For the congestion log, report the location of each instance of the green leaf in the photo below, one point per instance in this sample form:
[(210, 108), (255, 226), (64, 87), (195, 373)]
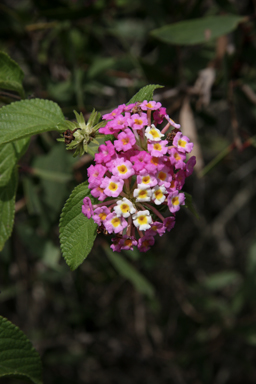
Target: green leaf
[(140, 283), (7, 207), (190, 205), (28, 117), (145, 93), (77, 233), (197, 31), (11, 75), (9, 155), (18, 358)]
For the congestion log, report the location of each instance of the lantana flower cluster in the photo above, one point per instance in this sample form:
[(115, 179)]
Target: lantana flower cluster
[(137, 175)]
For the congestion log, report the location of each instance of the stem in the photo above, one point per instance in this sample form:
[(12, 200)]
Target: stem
[(156, 212)]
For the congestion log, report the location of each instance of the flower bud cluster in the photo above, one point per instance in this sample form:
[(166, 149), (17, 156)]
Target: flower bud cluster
[(137, 174)]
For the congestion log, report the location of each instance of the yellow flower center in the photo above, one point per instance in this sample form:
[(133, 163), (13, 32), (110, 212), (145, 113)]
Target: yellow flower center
[(176, 156), (143, 193), (162, 176), (145, 179), (122, 169), (158, 194), (128, 242), (157, 147), (182, 143), (154, 133), (102, 216), (115, 222), (138, 121), (112, 186), (175, 200), (125, 140), (125, 207), (149, 105), (142, 219)]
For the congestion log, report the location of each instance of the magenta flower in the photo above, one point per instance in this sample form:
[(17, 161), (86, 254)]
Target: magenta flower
[(152, 105), (112, 186), (100, 214), (175, 200), (125, 141), (138, 176), (159, 115), (190, 166), (122, 168), (87, 207), (114, 223), (138, 121), (182, 143), (106, 152), (145, 243), (95, 173), (158, 149)]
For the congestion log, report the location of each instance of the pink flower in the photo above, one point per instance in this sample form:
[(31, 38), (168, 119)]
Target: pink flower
[(180, 179), (105, 153), (158, 149), (87, 207), (126, 242), (146, 181), (113, 114), (190, 166), (156, 228), (182, 143), (145, 243), (112, 186), (95, 173), (164, 176), (169, 222), (140, 160), (125, 141), (159, 115), (152, 105), (122, 168), (138, 121), (98, 192), (100, 214), (177, 158), (121, 122), (113, 223), (155, 164), (175, 200)]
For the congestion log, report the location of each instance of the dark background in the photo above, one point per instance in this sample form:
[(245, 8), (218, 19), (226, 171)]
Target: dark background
[(92, 325)]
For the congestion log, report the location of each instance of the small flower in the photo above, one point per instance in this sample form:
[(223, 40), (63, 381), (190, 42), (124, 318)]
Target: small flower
[(159, 115), (87, 207), (152, 105), (182, 143), (124, 208), (175, 200), (190, 166), (115, 224), (146, 181), (112, 186), (100, 214), (158, 149), (125, 140), (169, 222), (138, 121), (142, 220), (122, 168), (153, 134), (158, 194), (145, 243), (142, 194)]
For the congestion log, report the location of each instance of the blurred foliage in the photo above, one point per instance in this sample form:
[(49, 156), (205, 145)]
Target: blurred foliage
[(193, 318)]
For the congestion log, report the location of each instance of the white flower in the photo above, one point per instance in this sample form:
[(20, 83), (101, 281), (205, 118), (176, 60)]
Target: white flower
[(142, 194), (124, 208), (158, 194), (142, 220), (153, 134)]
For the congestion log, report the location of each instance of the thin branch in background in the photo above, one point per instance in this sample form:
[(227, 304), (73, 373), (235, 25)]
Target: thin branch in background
[(234, 121), (11, 95)]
